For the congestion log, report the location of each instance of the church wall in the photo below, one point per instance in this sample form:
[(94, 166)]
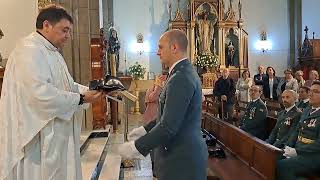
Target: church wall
[(17, 20), (270, 16), (150, 17), (310, 17)]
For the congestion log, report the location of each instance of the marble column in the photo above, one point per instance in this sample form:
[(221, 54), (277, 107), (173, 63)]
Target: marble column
[(85, 14)]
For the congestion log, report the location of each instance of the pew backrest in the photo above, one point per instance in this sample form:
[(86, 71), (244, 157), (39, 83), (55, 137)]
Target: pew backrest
[(255, 153)]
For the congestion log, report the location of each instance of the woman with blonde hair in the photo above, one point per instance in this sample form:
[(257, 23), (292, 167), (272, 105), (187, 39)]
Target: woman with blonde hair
[(151, 99)]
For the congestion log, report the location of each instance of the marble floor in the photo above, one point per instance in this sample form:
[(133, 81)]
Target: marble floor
[(103, 151)]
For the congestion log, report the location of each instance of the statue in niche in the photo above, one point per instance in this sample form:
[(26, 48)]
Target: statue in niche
[(114, 46), (232, 49), (205, 33), (230, 53)]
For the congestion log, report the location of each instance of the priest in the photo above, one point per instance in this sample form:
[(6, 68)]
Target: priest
[(40, 106)]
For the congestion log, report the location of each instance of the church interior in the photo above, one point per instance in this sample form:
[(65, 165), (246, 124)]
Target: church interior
[(117, 37)]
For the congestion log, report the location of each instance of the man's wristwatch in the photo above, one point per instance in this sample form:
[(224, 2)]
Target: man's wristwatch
[(81, 99)]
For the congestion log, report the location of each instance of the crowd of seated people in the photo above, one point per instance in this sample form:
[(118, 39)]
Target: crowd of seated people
[(297, 129)]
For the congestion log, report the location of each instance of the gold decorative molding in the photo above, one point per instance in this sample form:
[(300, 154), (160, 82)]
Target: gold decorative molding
[(179, 15), (231, 15), (43, 3)]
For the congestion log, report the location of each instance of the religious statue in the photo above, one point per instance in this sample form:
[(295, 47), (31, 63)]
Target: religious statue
[(205, 33), (230, 54), (114, 46), (232, 49)]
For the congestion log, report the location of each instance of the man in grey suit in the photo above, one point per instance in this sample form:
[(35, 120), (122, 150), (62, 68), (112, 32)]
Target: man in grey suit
[(175, 138)]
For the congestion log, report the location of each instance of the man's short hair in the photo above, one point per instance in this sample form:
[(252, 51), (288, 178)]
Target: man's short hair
[(179, 37), (259, 88), (53, 14), (306, 88), (295, 94), (316, 83), (224, 69), (288, 71)]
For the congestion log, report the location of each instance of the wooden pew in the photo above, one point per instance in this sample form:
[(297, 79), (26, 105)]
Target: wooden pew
[(237, 142), (254, 153), (273, 109), (272, 106)]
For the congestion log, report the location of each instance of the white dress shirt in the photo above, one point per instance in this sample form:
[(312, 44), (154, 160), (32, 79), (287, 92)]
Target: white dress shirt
[(271, 87), (173, 65), (305, 100), (315, 110), (289, 108)]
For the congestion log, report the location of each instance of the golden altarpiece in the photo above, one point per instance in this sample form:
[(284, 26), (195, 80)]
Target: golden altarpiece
[(211, 29)]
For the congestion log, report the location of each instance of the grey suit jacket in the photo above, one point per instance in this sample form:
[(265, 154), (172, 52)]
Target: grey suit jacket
[(176, 139), (292, 84)]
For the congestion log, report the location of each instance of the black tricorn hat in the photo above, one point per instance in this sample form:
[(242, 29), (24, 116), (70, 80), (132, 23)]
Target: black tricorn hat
[(107, 84)]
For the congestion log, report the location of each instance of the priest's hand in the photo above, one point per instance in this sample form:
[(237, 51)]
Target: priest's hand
[(136, 133), (129, 151), (289, 152), (91, 96)]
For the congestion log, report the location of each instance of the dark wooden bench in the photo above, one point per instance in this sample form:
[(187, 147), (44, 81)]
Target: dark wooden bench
[(249, 157), (272, 106), (239, 166)]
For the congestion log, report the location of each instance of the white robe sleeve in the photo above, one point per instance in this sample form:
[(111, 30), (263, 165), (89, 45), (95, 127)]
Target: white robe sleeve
[(35, 82), (82, 89)]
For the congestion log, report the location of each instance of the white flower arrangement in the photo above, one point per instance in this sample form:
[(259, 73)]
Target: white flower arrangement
[(137, 71), (207, 60)]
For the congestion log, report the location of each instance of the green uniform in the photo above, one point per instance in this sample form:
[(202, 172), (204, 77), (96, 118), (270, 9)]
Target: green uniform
[(286, 124), (306, 140), (254, 120), (302, 105)]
